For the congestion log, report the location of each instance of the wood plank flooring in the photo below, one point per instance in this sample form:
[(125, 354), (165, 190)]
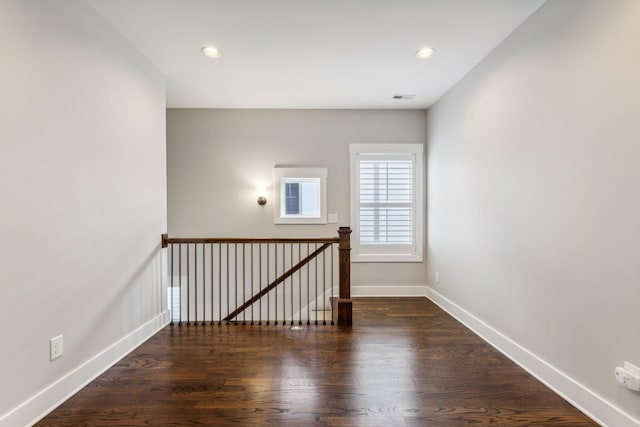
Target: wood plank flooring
[(404, 363)]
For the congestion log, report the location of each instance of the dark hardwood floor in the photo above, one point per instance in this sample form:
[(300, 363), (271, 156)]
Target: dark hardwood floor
[(404, 363)]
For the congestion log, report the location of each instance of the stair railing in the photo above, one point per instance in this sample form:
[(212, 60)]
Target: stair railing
[(259, 280)]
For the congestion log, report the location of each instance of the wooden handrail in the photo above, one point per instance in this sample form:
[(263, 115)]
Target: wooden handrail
[(166, 240)]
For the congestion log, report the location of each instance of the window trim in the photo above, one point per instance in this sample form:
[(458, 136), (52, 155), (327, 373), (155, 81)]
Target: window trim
[(399, 253), (280, 173)]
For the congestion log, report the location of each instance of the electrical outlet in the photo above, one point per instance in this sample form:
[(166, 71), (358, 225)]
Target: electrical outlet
[(55, 347), (628, 376), (437, 277)]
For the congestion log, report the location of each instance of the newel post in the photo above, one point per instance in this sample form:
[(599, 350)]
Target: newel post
[(163, 240), (344, 300)]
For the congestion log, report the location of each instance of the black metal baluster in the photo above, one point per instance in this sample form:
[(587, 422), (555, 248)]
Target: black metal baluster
[(211, 277), (220, 284), (180, 282), (315, 260), (204, 294), (300, 284), (244, 285), (235, 277), (268, 293), (188, 287), (260, 282), (284, 287), (275, 271), (252, 278), (195, 285), (308, 290), (195, 279), (291, 266), (171, 251), (228, 312)]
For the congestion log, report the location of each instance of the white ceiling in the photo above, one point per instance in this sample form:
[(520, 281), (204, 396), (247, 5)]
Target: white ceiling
[(313, 54)]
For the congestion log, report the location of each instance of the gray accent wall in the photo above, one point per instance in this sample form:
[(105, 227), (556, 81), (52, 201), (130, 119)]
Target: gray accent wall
[(217, 158)]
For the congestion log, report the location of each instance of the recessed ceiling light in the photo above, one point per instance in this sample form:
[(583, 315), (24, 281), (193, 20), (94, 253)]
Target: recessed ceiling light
[(211, 51), (425, 52)]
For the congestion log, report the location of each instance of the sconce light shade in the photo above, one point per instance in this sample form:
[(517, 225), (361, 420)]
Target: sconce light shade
[(262, 197)]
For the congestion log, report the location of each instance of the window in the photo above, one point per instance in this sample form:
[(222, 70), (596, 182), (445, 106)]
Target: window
[(301, 195), (386, 202), (291, 198)]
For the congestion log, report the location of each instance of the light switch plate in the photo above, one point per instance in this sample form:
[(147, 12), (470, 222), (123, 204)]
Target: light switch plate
[(332, 218)]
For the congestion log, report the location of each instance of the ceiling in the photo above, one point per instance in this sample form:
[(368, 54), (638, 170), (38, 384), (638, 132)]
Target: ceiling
[(313, 54)]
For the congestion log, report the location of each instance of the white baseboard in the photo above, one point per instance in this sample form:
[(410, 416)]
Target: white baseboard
[(35, 408), (593, 405), (389, 291)]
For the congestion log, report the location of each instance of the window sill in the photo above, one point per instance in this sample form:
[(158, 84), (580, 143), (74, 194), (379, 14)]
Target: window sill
[(386, 258)]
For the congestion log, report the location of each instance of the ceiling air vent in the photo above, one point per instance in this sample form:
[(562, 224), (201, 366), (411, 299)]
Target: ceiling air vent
[(403, 96)]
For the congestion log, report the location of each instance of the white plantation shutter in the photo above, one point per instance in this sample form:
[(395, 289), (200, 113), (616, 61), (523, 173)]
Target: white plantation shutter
[(386, 201), (386, 197)]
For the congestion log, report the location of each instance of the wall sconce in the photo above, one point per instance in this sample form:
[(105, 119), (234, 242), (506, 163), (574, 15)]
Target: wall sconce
[(262, 196)]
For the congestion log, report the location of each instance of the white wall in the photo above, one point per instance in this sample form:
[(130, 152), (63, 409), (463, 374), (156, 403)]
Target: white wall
[(534, 198), (83, 190), (217, 158)]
